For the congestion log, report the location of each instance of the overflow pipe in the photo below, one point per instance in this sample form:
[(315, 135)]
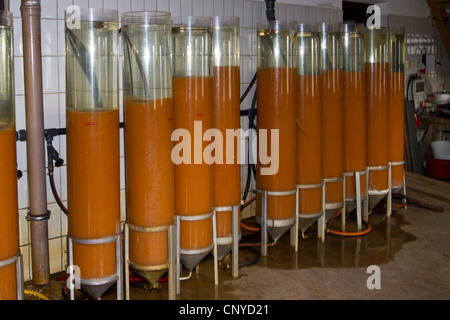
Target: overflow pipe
[(38, 215)]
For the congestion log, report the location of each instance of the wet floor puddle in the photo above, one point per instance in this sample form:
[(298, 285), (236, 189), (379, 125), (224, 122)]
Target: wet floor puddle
[(377, 247)]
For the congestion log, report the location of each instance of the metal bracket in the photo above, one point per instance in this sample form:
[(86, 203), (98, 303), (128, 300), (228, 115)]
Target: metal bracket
[(43, 217)]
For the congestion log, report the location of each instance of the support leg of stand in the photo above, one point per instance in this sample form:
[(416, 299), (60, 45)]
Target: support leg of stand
[(178, 260), (389, 196), (366, 202), (358, 200), (344, 207), (19, 276), (70, 262), (216, 261), (119, 267), (404, 189), (321, 222), (294, 230), (264, 223), (172, 262), (127, 261), (235, 234)]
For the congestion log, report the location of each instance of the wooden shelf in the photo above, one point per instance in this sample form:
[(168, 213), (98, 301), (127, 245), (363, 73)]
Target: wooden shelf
[(440, 10), (428, 192)]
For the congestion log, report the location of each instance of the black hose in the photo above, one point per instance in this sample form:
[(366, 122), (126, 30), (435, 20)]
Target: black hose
[(86, 64), (270, 10), (253, 261), (248, 89), (251, 167), (55, 193), (247, 185), (138, 62), (270, 14), (252, 124), (248, 263), (410, 82), (252, 115), (401, 197)]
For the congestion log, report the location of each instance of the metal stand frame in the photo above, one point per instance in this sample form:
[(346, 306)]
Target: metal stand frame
[(387, 192), (321, 223), (18, 260), (179, 251), (119, 272), (264, 220), (298, 215), (234, 235), (333, 206), (358, 197), (401, 163), (169, 264)]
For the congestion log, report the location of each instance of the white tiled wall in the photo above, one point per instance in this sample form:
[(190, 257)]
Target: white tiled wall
[(405, 8), (423, 37)]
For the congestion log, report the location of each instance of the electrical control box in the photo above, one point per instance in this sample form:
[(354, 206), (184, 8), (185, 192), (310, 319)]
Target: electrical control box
[(419, 94)]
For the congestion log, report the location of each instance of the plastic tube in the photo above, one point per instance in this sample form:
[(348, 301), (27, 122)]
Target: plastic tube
[(354, 106), (192, 103), (332, 114), (226, 113), (397, 106), (277, 106), (377, 102), (92, 111), (309, 119), (148, 123)]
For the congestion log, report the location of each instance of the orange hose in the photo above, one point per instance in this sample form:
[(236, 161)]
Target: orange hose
[(242, 224), (254, 244), (248, 202), (256, 229), (337, 214), (403, 205), (350, 234)]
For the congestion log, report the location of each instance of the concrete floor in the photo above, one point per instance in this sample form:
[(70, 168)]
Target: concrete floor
[(411, 250)]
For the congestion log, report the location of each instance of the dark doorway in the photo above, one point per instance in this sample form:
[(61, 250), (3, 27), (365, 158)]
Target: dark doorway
[(355, 11)]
